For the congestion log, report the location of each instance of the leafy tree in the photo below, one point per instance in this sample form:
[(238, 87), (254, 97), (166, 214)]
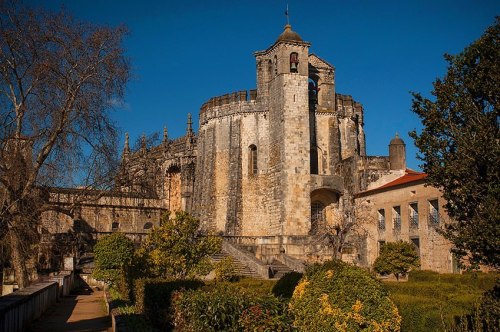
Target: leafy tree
[(396, 258), (179, 248), (113, 255), (460, 146), (58, 80)]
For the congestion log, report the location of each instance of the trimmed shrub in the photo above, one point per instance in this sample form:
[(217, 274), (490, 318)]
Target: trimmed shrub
[(436, 302), (396, 258), (215, 309), (268, 314), (153, 298), (256, 287), (337, 296), (476, 279), (285, 286), (227, 307), (113, 255)]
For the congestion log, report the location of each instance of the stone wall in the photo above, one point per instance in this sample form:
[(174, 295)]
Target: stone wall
[(433, 248)]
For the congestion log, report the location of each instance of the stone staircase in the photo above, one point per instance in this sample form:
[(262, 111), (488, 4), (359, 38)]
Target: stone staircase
[(278, 269), (242, 269)]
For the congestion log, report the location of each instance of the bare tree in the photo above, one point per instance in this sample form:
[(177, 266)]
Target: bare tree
[(348, 225), (59, 78)]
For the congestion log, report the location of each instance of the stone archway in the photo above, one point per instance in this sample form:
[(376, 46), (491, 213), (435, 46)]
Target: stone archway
[(322, 202)]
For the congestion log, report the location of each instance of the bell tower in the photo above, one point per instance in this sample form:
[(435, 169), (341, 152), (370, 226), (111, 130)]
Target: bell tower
[(282, 83)]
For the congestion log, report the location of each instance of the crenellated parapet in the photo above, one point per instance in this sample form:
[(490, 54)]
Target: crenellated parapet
[(228, 104), (347, 106)]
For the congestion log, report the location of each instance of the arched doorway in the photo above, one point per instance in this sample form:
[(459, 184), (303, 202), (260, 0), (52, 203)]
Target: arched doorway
[(318, 217), (322, 201)]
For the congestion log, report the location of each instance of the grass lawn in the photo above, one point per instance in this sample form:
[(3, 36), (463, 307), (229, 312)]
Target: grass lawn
[(430, 301)]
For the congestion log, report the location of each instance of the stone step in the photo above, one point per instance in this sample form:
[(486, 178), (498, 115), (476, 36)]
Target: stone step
[(241, 268), (279, 269)]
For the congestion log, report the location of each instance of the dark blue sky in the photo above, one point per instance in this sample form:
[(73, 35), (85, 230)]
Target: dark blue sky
[(184, 52)]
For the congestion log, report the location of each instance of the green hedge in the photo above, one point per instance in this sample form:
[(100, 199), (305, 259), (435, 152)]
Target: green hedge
[(153, 298), (430, 301), (227, 307), (479, 280)]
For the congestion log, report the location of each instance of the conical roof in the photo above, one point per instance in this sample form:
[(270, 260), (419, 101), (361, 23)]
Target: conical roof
[(289, 35), (397, 140)]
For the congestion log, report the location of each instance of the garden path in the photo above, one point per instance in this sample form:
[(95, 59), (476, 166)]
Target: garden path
[(82, 311)]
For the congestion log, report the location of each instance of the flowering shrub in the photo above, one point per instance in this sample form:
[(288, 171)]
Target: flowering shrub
[(337, 296)]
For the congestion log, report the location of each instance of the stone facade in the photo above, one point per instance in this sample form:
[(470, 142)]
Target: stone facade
[(267, 169), (405, 209)]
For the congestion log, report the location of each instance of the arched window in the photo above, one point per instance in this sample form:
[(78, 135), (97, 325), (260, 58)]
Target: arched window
[(114, 226), (275, 65), (317, 216), (294, 62), (148, 225), (252, 160)]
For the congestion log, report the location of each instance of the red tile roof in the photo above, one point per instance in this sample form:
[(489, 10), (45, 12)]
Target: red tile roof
[(410, 176)]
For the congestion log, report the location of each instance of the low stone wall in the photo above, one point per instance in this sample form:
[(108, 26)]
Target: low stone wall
[(65, 281), (19, 309), (295, 264), (117, 322)]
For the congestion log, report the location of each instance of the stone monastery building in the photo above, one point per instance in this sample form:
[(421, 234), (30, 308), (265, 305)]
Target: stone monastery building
[(273, 170)]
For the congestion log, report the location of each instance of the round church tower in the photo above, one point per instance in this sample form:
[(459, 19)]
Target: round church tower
[(397, 153)]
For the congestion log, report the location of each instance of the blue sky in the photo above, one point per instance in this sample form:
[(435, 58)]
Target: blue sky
[(184, 52)]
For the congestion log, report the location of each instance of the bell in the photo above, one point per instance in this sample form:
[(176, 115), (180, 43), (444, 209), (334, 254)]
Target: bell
[(293, 66)]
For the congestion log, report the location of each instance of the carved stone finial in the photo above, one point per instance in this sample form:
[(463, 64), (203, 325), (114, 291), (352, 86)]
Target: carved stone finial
[(143, 142), (189, 129), (165, 135), (126, 147)]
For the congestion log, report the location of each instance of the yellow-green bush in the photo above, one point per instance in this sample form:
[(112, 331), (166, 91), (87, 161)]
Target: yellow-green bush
[(225, 269), (337, 296)]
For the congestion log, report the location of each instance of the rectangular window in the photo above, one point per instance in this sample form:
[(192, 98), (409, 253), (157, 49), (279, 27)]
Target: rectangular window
[(396, 218), (413, 215), (381, 219), (433, 212)]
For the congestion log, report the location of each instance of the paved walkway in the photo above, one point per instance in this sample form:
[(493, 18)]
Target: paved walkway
[(83, 311)]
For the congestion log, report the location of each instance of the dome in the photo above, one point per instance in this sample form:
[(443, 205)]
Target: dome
[(289, 35), (397, 140)]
